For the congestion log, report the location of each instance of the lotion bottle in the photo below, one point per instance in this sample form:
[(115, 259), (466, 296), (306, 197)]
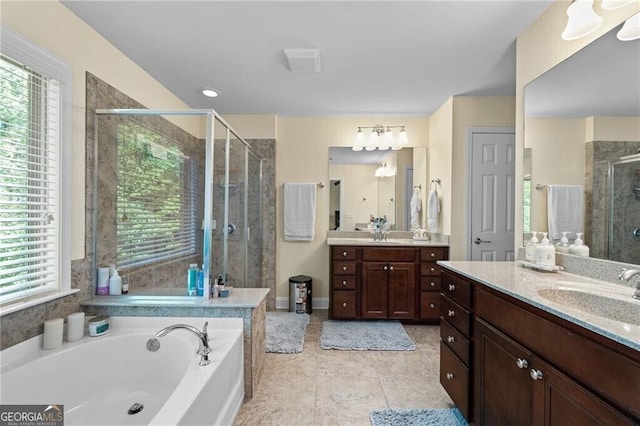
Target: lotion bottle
[(545, 252), (578, 247), (530, 250), (115, 283), (563, 245)]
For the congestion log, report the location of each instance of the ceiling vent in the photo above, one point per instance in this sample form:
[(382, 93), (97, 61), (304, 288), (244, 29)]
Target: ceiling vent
[(303, 60)]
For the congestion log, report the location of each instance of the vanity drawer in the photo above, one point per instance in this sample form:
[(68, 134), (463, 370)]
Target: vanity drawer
[(433, 253), (344, 268), (344, 304), (344, 253), (454, 377), (457, 289), (430, 283), (389, 254), (429, 305), (344, 282), (455, 341), (455, 315), (430, 269)]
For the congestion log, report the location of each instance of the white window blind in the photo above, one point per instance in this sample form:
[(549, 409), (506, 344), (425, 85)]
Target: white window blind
[(30, 108), (156, 197)]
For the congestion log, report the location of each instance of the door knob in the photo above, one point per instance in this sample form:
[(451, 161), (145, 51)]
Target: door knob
[(479, 241)]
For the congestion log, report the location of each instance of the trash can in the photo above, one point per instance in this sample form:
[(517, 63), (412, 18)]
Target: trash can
[(300, 294)]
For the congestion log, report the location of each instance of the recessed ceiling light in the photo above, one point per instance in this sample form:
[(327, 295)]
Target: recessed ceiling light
[(211, 93)]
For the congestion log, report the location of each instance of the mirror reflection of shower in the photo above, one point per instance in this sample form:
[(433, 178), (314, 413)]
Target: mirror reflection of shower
[(624, 209)]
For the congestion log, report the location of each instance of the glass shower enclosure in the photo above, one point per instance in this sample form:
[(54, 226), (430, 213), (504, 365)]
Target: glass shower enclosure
[(624, 205), (175, 188)]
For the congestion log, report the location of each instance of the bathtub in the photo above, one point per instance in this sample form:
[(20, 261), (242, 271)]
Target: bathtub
[(98, 379)]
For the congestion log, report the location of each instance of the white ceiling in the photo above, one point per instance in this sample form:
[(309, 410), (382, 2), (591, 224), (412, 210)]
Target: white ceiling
[(377, 57)]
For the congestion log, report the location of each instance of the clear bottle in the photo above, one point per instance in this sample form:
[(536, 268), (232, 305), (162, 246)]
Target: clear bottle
[(115, 283), (578, 247), (530, 250), (563, 244), (192, 279), (545, 252)]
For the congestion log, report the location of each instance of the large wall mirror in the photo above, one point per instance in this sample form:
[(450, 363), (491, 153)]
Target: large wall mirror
[(582, 127), (369, 183)]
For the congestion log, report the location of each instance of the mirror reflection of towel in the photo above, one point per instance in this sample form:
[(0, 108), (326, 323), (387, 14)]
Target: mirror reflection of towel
[(564, 210), (433, 209), (416, 208)]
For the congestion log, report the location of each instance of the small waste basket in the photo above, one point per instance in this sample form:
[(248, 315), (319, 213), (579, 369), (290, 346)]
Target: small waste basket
[(300, 294)]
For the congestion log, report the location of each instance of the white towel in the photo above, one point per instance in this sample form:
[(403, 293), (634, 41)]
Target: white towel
[(299, 211), (416, 208), (433, 209), (564, 209)]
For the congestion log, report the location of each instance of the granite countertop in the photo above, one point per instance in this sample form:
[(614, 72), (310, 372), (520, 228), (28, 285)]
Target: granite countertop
[(612, 312), (239, 298), (391, 242)]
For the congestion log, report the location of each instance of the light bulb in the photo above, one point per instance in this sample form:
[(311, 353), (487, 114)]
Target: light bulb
[(631, 29), (614, 4), (583, 20)]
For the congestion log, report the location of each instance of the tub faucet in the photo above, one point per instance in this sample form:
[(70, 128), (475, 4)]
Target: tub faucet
[(203, 339), (626, 276)]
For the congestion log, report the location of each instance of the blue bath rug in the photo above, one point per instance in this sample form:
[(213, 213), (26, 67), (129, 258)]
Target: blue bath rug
[(285, 332), (365, 336), (414, 417)]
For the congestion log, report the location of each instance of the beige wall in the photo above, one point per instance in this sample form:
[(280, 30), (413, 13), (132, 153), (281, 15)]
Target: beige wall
[(539, 48), (360, 193), (612, 129), (440, 160), (50, 25)]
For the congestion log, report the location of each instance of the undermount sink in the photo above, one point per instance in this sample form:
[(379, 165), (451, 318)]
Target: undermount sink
[(595, 304)]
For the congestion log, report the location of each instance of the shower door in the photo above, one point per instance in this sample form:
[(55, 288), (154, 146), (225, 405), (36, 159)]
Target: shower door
[(624, 211)]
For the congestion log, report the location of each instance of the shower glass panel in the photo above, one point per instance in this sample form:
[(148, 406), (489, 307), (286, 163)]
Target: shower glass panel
[(624, 220)]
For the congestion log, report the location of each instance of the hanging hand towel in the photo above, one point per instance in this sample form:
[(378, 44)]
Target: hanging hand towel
[(416, 208), (433, 209), (299, 211), (564, 210)]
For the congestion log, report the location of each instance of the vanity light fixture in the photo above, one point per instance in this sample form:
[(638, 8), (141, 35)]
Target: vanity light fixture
[(614, 4), (631, 29), (381, 138), (210, 92), (583, 20)]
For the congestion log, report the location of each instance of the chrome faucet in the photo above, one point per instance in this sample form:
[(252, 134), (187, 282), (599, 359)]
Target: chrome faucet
[(626, 276), (379, 235), (203, 339)]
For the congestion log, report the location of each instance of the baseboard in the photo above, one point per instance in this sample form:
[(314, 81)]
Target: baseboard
[(316, 303)]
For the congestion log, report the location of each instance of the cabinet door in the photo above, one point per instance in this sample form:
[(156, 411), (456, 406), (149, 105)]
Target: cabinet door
[(558, 401), (374, 289), (503, 385), (402, 290)]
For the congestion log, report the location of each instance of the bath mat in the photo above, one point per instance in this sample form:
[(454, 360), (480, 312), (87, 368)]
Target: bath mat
[(413, 417), (365, 336), (285, 332)]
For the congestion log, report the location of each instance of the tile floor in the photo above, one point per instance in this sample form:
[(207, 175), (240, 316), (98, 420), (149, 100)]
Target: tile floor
[(331, 387)]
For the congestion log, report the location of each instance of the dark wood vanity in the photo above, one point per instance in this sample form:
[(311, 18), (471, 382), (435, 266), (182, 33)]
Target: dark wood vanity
[(507, 362), (386, 282)]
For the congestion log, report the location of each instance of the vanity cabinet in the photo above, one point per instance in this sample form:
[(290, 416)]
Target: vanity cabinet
[(385, 282)]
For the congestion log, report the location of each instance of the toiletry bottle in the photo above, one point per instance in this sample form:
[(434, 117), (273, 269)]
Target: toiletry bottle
[(563, 245), (192, 279), (200, 283), (578, 247), (220, 284), (530, 250), (545, 252), (125, 285), (115, 283)]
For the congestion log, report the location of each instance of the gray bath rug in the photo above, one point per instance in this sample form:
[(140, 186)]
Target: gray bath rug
[(365, 336), (285, 332), (412, 417)]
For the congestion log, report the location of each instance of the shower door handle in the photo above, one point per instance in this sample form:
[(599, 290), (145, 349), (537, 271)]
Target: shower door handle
[(248, 233), (636, 234)]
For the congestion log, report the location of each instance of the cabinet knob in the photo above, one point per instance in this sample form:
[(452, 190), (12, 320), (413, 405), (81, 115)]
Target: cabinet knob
[(344, 268), (451, 313), (432, 305), (344, 304), (391, 268), (344, 283), (535, 374), (522, 363), (451, 339), (452, 287), (432, 269), (344, 254), (449, 376), (432, 284), (433, 254), (385, 268)]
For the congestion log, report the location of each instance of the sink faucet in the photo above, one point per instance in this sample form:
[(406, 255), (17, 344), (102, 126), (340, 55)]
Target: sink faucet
[(626, 276), (203, 339), (379, 235)]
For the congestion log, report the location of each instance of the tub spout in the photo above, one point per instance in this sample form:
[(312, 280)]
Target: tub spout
[(203, 339)]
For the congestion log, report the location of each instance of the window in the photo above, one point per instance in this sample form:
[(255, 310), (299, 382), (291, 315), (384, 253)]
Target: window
[(156, 197), (34, 258)]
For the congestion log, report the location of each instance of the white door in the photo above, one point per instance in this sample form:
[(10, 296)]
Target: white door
[(492, 194)]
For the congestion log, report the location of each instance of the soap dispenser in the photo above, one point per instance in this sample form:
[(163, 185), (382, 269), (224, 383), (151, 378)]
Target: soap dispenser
[(530, 250), (545, 252), (578, 247), (563, 245)]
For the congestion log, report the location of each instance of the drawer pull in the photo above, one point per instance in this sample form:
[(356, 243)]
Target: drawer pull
[(344, 254), (432, 269), (344, 283), (522, 363), (344, 268), (451, 313), (432, 305), (451, 339), (450, 376), (433, 254), (535, 374), (452, 287), (385, 268), (344, 304), (432, 284), (391, 268)]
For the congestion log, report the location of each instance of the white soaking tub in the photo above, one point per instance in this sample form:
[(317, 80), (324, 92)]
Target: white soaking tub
[(98, 379)]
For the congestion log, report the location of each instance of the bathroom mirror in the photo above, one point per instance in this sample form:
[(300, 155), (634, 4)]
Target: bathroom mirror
[(369, 183), (581, 117)]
